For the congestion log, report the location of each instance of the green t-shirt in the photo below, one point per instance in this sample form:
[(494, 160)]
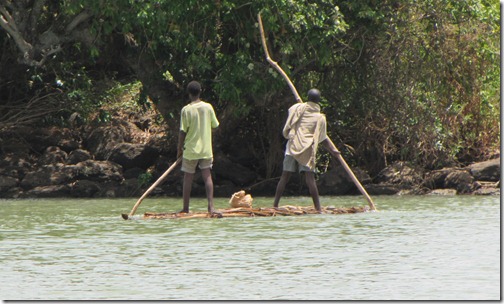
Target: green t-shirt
[(197, 120)]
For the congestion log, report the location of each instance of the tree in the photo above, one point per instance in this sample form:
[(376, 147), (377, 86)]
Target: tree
[(388, 70), (37, 33), (425, 81)]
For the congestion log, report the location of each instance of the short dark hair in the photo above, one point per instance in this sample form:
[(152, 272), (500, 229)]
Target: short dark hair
[(314, 95), (194, 88)]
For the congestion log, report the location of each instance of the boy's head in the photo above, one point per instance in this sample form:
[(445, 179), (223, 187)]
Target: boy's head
[(194, 88), (314, 95)]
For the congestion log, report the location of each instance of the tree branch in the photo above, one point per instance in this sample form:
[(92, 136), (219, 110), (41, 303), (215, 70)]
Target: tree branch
[(81, 17), (35, 14), (9, 25), (22, 24), (7, 18)]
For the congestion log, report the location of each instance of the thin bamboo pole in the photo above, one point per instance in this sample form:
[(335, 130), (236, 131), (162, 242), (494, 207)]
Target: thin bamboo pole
[(298, 99), (156, 183)]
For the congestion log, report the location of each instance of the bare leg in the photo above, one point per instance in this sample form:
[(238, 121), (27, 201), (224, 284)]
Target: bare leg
[(206, 174), (284, 179), (312, 186), (186, 190)]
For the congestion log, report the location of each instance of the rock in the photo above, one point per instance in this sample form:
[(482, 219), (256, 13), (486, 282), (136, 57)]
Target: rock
[(486, 171), (102, 171), (223, 188), (238, 174), (130, 188), (14, 143), (52, 155), (102, 140), (14, 192), (41, 138), (460, 180), (84, 188), (77, 156), (400, 172), (55, 162), (337, 181), (7, 182), (133, 155), (48, 191), (334, 182), (68, 145), (133, 173), (443, 192), (487, 188), (110, 189), (57, 174), (436, 179), (16, 165), (414, 191), (382, 189), (487, 191)]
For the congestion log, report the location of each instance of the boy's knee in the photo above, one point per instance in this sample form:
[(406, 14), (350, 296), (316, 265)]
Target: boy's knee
[(309, 176)]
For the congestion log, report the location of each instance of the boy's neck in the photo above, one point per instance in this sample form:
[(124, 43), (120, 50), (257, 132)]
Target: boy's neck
[(194, 98)]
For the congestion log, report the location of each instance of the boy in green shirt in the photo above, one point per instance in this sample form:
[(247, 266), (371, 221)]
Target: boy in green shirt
[(197, 119)]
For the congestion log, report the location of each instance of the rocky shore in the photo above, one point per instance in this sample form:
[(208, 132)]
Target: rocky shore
[(122, 158)]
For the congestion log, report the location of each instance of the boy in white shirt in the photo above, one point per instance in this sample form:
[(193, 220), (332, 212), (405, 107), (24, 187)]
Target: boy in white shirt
[(305, 128)]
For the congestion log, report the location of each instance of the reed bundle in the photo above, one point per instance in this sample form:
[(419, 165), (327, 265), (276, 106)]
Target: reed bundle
[(253, 212)]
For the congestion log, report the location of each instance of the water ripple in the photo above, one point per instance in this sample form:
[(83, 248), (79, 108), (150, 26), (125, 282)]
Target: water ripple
[(415, 248)]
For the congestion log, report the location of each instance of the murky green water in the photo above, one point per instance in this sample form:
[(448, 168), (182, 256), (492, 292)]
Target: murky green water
[(415, 248)]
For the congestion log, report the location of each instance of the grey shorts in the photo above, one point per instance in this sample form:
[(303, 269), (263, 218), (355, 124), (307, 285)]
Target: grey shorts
[(189, 165), (290, 164)]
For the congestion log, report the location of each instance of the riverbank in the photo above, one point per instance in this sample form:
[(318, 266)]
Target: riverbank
[(124, 156)]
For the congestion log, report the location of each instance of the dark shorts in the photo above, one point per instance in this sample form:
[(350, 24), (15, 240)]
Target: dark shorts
[(290, 164)]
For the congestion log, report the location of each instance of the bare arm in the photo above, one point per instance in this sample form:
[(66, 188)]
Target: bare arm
[(329, 146), (180, 146)]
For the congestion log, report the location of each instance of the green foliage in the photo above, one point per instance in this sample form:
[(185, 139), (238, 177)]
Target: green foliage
[(217, 41), (401, 80), (424, 84), (145, 179)]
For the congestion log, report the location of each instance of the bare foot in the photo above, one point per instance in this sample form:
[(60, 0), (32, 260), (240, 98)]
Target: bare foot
[(216, 214)]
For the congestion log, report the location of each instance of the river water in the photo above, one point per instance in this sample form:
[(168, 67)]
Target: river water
[(414, 248)]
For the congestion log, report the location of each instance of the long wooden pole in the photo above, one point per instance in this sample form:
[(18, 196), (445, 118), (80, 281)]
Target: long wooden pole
[(298, 99), (156, 183), (354, 178), (275, 64)]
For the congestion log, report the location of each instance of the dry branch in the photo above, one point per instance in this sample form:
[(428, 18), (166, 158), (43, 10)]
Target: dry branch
[(25, 113), (275, 64)]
